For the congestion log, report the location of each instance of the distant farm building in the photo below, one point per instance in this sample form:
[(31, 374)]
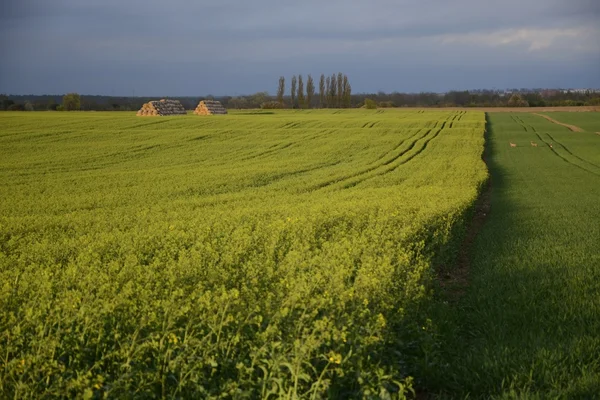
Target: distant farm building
[(210, 107), (162, 108)]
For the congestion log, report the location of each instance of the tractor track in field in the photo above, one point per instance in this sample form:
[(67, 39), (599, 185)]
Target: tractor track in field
[(550, 146), (566, 159), (244, 155), (373, 168), (570, 152), (381, 157), (144, 124), (409, 158), (363, 172), (359, 177), (369, 124), (282, 146), (393, 168), (573, 128)]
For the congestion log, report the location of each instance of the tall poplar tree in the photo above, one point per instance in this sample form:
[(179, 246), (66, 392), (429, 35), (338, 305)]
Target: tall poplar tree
[(293, 94), (281, 91), (346, 93), (340, 88), (300, 92), (328, 92), (322, 91), (333, 92), (310, 91)]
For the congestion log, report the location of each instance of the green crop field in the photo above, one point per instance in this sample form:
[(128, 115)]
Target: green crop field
[(588, 121), (299, 254), (286, 254), (528, 326)]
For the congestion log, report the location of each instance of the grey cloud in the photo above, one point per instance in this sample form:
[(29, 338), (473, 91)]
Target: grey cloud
[(246, 45)]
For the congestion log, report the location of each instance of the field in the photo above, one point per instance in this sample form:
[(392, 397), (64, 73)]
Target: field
[(258, 255), (528, 324), (589, 122), (308, 254)]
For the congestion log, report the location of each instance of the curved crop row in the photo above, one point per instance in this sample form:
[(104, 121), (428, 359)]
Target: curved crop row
[(191, 272)]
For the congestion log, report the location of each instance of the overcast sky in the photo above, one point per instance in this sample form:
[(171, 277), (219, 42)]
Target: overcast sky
[(231, 47)]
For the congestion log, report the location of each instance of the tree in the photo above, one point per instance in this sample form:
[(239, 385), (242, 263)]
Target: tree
[(238, 102), (322, 91), (5, 103), (346, 93), (271, 105), (370, 104), (517, 101), (293, 92), (310, 90), (281, 91), (333, 91), (534, 100), (257, 99), (300, 92), (16, 107), (71, 102), (327, 92), (28, 106), (340, 88), (51, 105)]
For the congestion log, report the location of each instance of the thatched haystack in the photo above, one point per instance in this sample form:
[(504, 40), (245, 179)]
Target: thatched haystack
[(162, 108), (210, 107)]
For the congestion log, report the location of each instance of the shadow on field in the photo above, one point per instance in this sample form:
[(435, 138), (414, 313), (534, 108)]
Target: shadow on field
[(255, 113), (528, 321)]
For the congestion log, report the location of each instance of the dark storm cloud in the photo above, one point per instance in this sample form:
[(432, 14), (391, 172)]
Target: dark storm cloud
[(153, 48)]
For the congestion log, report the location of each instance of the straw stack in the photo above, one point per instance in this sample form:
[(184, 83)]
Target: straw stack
[(162, 108), (210, 107)]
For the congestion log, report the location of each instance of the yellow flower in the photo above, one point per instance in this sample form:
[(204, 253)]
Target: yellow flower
[(335, 358), (173, 338)]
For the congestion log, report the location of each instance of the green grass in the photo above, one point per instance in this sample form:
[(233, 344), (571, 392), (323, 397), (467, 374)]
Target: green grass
[(286, 255), (588, 121), (528, 326)]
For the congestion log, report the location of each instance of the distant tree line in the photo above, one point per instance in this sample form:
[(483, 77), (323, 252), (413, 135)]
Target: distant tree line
[(328, 94)]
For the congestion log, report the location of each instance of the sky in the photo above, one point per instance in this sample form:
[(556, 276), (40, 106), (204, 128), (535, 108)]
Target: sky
[(236, 47)]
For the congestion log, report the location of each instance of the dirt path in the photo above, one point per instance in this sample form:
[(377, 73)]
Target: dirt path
[(571, 127)]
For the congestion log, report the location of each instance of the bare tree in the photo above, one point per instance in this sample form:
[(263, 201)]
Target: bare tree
[(281, 91), (293, 95)]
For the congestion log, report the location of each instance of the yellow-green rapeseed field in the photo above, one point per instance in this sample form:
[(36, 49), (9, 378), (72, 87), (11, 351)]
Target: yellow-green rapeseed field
[(253, 255)]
